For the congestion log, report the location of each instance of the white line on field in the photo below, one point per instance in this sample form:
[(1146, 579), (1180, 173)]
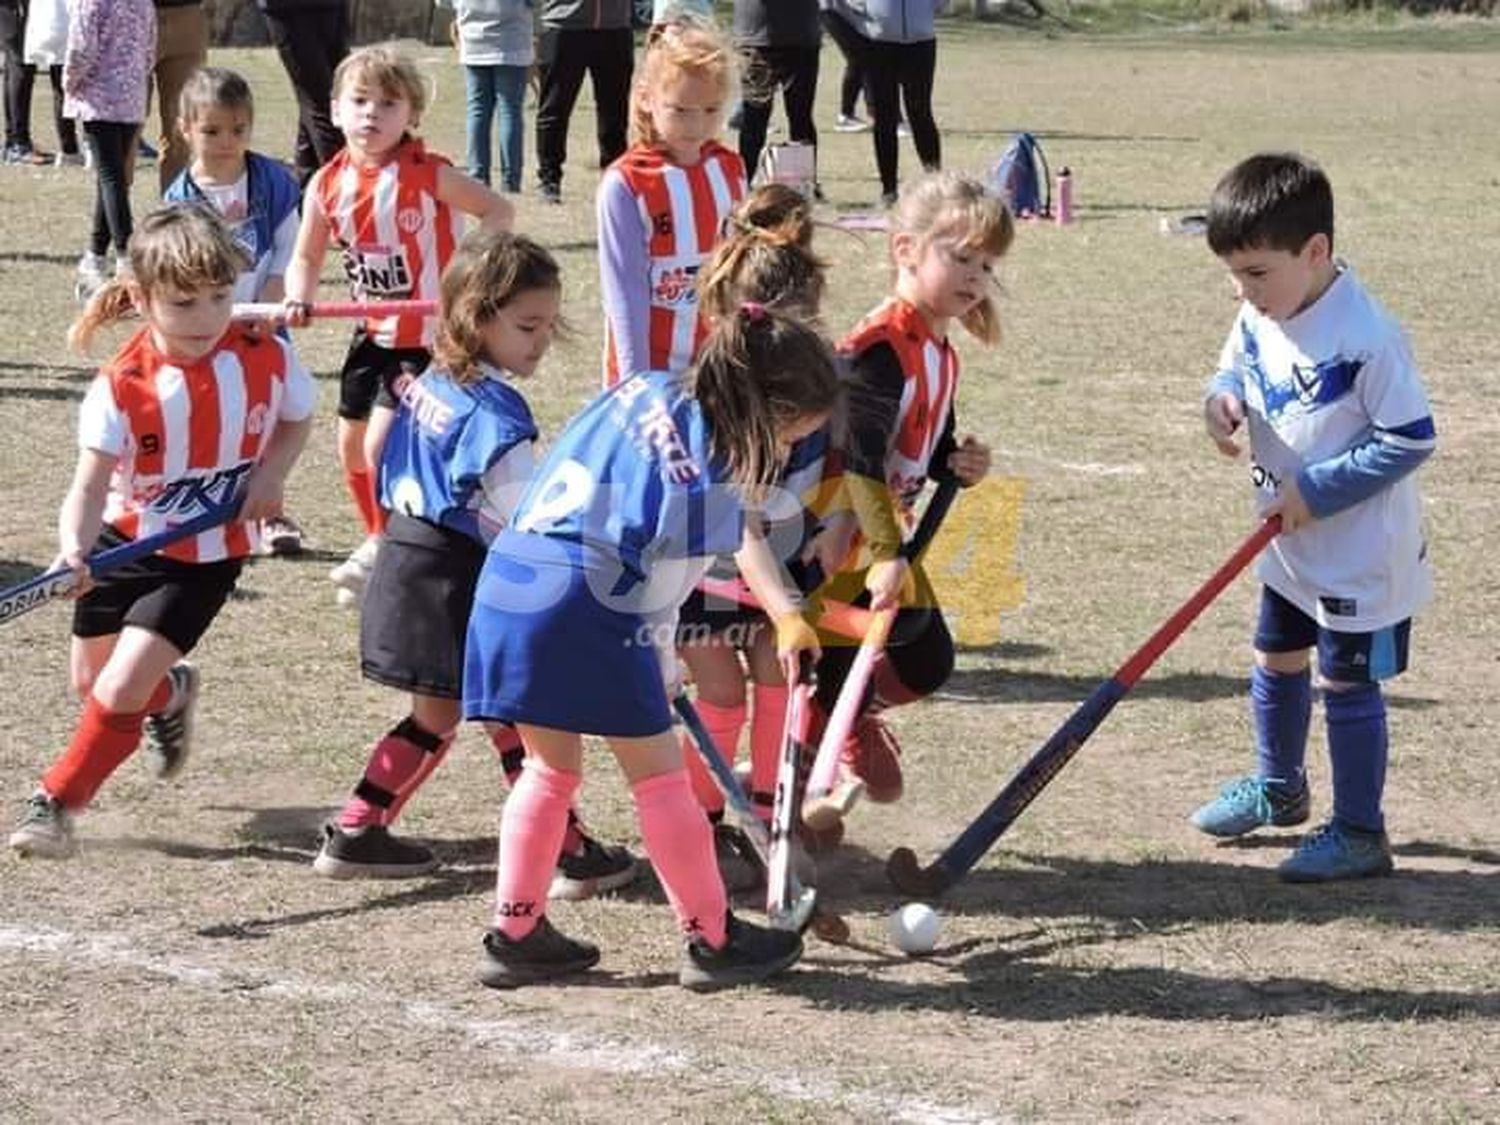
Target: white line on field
[(1088, 468), (581, 1049)]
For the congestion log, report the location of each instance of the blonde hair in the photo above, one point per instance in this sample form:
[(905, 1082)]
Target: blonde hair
[(684, 44), (186, 246), (489, 271), (948, 205), (385, 67), (765, 256), (759, 371)]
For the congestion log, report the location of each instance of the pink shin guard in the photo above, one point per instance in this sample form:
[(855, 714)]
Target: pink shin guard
[(531, 832), (681, 846), (401, 761), (725, 724), (766, 728)]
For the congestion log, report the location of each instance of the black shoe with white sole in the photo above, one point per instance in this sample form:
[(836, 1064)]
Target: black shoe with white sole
[(370, 852), (750, 953), (541, 955)]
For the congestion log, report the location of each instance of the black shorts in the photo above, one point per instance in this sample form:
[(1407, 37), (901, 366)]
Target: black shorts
[(1348, 658), (176, 600), (374, 375), (705, 616), (416, 608)]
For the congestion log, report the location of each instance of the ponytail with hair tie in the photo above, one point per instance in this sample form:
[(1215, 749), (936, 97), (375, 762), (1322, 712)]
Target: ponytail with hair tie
[(753, 311)]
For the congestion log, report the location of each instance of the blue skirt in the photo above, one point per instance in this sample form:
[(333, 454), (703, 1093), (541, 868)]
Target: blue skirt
[(543, 650)]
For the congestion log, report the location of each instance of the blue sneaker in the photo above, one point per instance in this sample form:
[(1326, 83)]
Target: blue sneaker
[(1336, 851), (1248, 803)]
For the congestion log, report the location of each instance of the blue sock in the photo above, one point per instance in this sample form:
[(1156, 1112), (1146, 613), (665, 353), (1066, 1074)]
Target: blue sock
[(1358, 748), (1281, 705)]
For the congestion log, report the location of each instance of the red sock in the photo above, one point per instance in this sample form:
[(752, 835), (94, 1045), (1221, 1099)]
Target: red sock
[(681, 846), (725, 725), (101, 741), (398, 765), (361, 486), (531, 831), (372, 484), (767, 725), (507, 744)]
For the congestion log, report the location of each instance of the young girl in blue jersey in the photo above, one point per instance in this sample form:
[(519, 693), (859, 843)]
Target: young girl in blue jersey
[(575, 616), (257, 197), (1323, 380), (765, 256), (459, 455), (947, 233)]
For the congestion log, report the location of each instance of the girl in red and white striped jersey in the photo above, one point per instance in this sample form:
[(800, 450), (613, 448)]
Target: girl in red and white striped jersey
[(192, 411), (946, 235), (663, 204), (394, 210)]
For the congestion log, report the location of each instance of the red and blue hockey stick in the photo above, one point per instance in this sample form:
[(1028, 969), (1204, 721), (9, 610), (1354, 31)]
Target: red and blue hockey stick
[(903, 869)]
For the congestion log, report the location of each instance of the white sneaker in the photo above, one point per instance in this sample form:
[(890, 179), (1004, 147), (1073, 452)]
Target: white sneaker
[(354, 572), (70, 160), (848, 123), (90, 277), (45, 831)]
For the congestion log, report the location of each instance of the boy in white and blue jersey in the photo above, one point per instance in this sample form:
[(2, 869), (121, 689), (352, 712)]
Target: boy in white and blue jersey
[(1323, 379)]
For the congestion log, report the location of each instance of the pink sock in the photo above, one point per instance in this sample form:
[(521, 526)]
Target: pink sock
[(531, 831), (398, 765), (767, 725), (681, 847), (725, 725), (507, 744)]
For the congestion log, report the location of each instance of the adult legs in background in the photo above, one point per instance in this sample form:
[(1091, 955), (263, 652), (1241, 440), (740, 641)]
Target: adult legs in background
[(67, 128), (111, 142), (181, 48), (560, 59), (479, 116), (880, 63), (509, 83), (916, 69), (20, 78), (611, 64), (311, 43)]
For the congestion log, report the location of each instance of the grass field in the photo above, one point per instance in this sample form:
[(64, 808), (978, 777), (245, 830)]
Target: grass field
[(1105, 962)]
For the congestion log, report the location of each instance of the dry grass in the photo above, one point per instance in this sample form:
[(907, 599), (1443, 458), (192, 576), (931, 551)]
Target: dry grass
[(1105, 962)]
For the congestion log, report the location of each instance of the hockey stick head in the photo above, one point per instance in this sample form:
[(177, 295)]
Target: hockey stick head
[(798, 915), (909, 877), (830, 928)]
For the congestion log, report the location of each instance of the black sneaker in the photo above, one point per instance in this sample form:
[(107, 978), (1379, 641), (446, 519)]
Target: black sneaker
[(592, 871), (169, 733), (540, 955), (750, 953), (549, 193), (370, 852)]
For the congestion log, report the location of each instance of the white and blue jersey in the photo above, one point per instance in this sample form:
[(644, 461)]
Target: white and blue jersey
[(262, 216), (1333, 399), (576, 608), (458, 456)]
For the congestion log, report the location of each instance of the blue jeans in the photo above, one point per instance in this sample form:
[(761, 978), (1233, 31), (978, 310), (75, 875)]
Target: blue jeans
[(488, 87)]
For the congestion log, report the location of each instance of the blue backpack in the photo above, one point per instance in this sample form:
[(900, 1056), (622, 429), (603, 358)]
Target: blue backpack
[(1021, 178)]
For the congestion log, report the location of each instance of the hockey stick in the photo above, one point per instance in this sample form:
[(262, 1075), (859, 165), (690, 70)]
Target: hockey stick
[(779, 897), (804, 909), (335, 310), (61, 582), (902, 868), (817, 810)]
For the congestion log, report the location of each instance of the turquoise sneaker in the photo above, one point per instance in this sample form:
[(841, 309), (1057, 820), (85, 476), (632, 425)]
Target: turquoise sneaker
[(1335, 851), (1248, 803)]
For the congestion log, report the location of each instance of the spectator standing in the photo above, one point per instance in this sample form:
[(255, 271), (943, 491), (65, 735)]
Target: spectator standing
[(578, 37), (181, 48), (496, 50), (312, 38), (780, 40), (894, 42), (20, 78)]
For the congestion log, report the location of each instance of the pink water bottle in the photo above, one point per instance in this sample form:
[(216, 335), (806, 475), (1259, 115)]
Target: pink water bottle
[(1064, 197)]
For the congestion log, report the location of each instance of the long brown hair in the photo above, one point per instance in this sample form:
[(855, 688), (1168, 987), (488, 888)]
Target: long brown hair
[(758, 372), (184, 245), (948, 205), (765, 256), (489, 271)]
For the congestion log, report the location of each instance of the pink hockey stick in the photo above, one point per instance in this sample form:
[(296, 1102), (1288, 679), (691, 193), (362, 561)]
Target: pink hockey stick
[(335, 310)]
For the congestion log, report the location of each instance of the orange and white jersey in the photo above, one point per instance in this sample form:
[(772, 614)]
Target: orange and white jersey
[(397, 237), (187, 434), (931, 369), (681, 212)]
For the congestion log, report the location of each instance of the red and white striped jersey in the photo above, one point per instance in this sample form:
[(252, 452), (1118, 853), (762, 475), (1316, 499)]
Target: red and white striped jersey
[(683, 210), (186, 435), (931, 369), (397, 237)]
